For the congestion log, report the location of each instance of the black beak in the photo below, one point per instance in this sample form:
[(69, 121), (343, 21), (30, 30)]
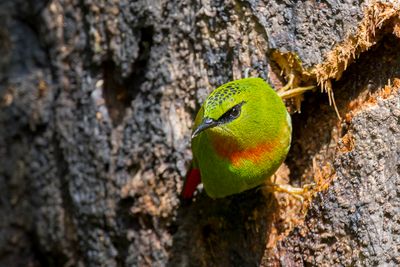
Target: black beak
[(204, 125)]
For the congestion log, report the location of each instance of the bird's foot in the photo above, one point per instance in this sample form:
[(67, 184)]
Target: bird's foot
[(288, 86), (295, 92), (297, 192), (288, 91)]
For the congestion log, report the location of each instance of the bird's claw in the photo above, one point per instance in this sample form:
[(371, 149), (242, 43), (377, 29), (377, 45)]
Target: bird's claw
[(288, 91), (296, 192), (288, 86)]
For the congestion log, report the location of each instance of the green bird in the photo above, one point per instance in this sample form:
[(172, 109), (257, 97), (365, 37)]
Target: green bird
[(242, 134)]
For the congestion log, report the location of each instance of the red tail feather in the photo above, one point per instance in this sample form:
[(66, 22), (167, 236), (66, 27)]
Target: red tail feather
[(193, 179)]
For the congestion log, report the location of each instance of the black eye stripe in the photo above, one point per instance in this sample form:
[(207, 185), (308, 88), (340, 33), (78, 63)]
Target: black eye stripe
[(231, 114)]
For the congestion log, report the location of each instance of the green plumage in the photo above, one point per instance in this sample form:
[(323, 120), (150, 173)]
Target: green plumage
[(241, 136)]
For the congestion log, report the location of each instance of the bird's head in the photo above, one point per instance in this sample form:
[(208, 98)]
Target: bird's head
[(243, 110)]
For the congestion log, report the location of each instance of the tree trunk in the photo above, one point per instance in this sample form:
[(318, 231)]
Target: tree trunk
[(97, 102)]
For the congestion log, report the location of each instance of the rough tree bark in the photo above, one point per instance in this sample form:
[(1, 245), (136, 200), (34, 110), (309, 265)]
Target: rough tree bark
[(97, 102)]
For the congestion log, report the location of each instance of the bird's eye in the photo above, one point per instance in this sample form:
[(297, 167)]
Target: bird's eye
[(234, 112), (231, 114)]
